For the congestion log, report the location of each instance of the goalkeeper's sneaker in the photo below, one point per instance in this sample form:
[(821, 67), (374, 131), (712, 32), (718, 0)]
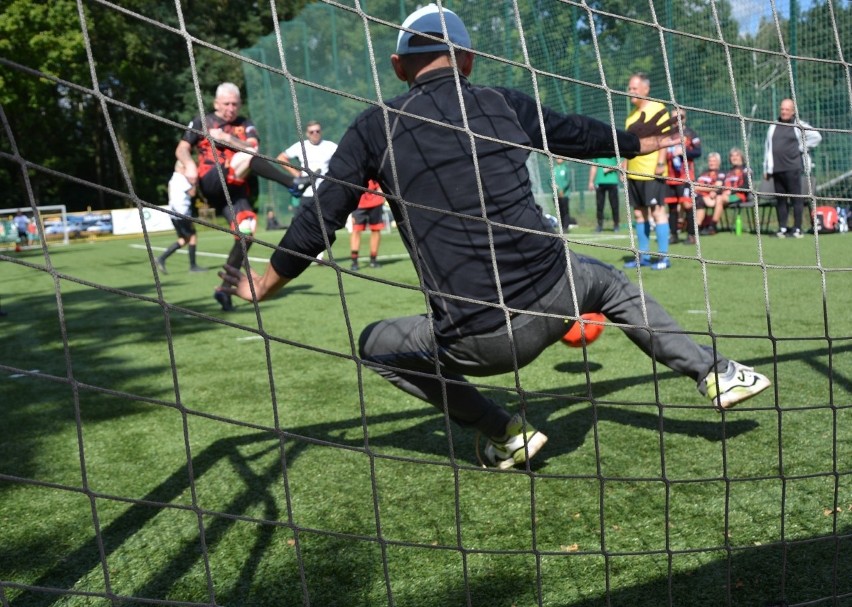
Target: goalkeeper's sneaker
[(522, 443), (734, 385)]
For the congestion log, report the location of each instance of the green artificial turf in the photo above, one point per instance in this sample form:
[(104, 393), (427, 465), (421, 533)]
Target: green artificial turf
[(156, 449)]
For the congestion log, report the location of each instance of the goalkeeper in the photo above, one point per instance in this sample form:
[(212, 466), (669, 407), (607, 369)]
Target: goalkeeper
[(235, 142), (450, 157)]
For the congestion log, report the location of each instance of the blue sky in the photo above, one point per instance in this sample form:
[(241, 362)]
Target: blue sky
[(749, 12)]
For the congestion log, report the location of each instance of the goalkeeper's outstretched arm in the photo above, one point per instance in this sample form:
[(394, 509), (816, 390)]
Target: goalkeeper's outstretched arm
[(264, 286)]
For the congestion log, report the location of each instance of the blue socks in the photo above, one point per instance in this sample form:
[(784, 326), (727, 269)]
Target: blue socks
[(643, 237), (663, 231)]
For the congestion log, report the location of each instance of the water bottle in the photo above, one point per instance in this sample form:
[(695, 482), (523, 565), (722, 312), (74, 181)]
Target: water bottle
[(842, 220), (677, 162), (738, 225)]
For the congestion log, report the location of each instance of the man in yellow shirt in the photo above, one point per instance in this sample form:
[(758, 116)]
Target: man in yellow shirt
[(644, 190)]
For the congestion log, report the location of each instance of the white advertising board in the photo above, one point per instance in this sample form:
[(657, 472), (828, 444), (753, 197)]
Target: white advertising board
[(127, 221)]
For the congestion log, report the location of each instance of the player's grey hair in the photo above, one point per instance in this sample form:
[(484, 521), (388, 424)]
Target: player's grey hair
[(226, 88), (643, 77), (715, 155)]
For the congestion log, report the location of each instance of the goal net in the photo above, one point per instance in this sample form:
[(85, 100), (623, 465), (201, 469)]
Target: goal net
[(159, 451), (49, 223), (728, 66)]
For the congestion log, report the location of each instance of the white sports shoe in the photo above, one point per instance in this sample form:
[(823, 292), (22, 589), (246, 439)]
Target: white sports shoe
[(511, 451), (736, 384)]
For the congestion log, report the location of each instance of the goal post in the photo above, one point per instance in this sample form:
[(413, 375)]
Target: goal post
[(49, 223)]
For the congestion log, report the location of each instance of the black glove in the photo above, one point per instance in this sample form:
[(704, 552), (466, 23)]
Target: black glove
[(649, 128)]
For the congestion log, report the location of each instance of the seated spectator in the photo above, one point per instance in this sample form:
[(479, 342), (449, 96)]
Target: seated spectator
[(735, 184), (708, 188), (272, 222), (680, 165)]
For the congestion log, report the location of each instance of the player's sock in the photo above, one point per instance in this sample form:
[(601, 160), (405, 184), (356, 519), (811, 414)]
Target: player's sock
[(690, 223), (236, 257), (643, 237), (663, 232), (263, 168), (673, 218), (172, 248), (192, 256), (354, 255)]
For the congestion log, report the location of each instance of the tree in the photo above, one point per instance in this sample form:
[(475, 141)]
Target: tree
[(143, 71)]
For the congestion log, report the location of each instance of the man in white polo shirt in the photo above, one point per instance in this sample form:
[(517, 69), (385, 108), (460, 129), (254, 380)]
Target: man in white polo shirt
[(313, 154)]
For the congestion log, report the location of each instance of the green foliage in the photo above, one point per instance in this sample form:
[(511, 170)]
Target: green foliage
[(316, 483), (138, 63), (575, 58)]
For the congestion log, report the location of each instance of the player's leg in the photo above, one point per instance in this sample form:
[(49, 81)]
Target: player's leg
[(602, 288), (794, 180), (783, 202), (376, 222), (563, 205), (183, 233), (672, 201), (243, 163), (600, 200), (689, 213), (403, 351), (660, 212), (375, 240), (243, 222), (612, 189), (192, 249), (636, 195), (358, 226)]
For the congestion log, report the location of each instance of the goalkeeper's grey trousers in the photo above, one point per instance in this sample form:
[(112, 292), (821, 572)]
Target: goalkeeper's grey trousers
[(405, 352)]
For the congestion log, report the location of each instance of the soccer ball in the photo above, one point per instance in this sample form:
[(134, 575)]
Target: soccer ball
[(574, 338)]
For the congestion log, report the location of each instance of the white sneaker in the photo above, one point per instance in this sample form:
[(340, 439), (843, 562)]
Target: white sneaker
[(523, 443), (782, 233), (797, 233), (736, 384)]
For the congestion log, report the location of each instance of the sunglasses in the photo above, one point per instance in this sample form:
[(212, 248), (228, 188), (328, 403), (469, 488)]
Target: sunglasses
[(314, 131)]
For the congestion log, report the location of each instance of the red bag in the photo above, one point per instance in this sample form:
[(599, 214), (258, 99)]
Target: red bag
[(825, 220)]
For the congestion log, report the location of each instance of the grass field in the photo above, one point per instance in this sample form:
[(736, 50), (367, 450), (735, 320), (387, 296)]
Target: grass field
[(157, 450)]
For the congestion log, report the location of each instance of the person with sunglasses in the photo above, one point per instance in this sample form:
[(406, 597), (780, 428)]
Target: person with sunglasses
[(313, 153)]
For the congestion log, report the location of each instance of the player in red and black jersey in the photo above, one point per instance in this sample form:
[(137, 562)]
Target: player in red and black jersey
[(235, 143), (681, 171), (708, 188)]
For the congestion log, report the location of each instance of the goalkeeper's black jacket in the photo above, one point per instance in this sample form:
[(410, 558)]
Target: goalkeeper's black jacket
[(452, 163)]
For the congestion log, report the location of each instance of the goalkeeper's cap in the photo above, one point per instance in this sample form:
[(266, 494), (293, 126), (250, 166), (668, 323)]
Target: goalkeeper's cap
[(431, 20)]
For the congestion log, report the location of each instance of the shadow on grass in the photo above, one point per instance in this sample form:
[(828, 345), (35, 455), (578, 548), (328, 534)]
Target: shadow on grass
[(324, 568), (327, 569), (40, 399)]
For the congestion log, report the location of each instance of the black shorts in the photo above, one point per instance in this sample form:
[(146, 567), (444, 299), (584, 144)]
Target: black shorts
[(184, 227), (373, 217), (677, 193), (211, 189), (645, 193)]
